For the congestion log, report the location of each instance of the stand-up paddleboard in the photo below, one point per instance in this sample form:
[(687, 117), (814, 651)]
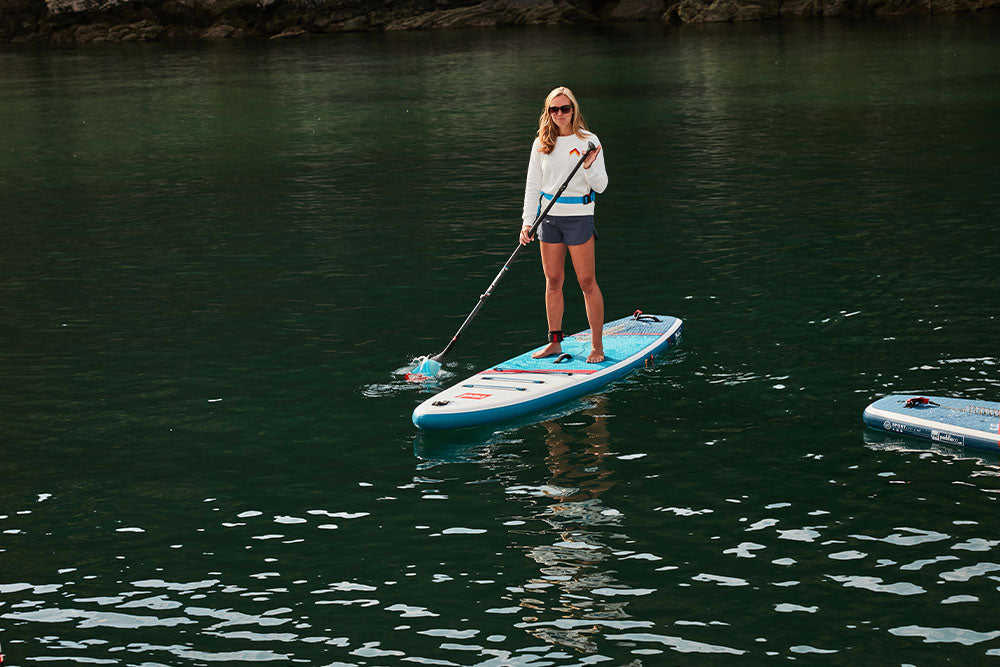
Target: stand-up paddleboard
[(524, 385), (953, 421)]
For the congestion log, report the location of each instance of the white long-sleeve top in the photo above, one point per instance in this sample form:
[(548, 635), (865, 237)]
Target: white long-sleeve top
[(546, 173)]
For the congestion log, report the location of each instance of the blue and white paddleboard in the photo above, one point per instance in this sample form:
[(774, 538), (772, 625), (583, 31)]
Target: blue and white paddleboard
[(523, 385), (953, 421)]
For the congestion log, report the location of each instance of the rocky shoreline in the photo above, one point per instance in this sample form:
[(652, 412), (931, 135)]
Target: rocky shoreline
[(80, 21)]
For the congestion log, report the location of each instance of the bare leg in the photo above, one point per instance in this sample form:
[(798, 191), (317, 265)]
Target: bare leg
[(584, 264), (554, 266)]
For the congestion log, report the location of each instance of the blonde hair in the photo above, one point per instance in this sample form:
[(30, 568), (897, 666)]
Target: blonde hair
[(548, 131)]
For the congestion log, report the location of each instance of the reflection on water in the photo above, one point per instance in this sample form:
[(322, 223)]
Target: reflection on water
[(573, 576), (989, 462)]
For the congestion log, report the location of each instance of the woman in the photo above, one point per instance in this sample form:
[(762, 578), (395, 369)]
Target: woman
[(561, 141)]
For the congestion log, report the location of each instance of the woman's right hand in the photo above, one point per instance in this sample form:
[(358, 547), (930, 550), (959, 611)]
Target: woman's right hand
[(591, 157), (525, 239)]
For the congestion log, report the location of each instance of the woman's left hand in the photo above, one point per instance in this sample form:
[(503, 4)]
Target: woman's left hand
[(591, 157)]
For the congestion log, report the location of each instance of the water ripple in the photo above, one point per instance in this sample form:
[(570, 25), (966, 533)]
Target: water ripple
[(678, 644), (945, 635)]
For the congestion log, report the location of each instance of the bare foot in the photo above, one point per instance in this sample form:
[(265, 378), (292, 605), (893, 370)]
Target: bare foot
[(596, 356), (548, 351)]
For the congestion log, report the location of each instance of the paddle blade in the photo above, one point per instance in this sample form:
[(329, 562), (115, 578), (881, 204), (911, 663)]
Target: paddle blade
[(427, 369)]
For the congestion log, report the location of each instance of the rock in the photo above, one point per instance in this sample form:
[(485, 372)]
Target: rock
[(636, 10), (956, 6), (146, 20), (800, 8), (222, 31), (92, 32), (19, 19), (290, 32), (496, 13), (718, 11)]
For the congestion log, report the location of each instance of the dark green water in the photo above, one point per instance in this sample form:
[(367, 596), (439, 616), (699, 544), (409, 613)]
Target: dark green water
[(215, 257)]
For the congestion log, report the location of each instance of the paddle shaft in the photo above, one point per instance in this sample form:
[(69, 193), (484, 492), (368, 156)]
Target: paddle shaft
[(531, 232)]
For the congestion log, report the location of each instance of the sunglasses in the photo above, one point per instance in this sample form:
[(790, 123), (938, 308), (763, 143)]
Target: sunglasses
[(566, 108)]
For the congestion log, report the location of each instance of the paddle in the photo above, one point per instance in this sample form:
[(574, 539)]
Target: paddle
[(430, 366)]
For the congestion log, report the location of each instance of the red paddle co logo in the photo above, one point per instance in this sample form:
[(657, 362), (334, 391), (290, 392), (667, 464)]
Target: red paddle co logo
[(474, 396)]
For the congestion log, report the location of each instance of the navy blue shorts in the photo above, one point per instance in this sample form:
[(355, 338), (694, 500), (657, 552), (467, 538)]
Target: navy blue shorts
[(568, 229)]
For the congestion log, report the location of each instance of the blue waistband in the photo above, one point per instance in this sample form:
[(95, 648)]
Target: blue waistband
[(586, 199)]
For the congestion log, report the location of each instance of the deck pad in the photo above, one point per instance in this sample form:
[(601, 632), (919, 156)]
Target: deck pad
[(620, 339)]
